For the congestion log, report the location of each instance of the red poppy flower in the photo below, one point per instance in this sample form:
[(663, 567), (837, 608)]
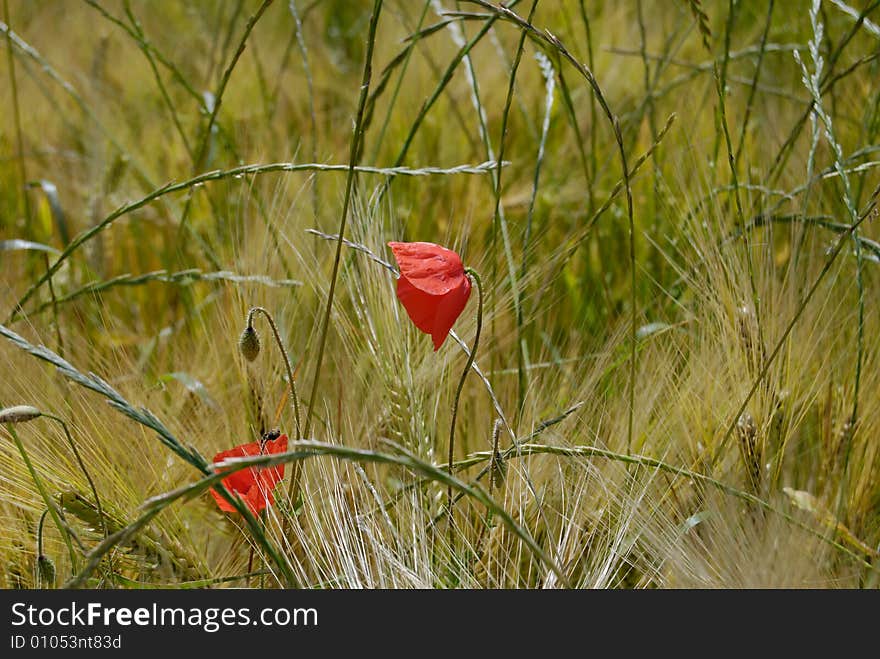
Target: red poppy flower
[(433, 287), (253, 485)]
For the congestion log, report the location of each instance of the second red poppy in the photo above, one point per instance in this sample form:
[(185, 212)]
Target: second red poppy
[(254, 485)]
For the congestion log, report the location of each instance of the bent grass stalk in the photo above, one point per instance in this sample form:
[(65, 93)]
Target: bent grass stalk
[(309, 449), (592, 451), (476, 277), (218, 175), (304, 450), (181, 277), (523, 448)]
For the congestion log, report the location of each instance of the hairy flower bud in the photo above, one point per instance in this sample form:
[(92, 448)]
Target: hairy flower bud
[(249, 343), (19, 414)]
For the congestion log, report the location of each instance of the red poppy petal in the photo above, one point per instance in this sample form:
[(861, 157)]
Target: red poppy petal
[(448, 310), (254, 484), (420, 307), (269, 477), (241, 480), (235, 452), (428, 267), (222, 503), (258, 497), (239, 451), (278, 445)]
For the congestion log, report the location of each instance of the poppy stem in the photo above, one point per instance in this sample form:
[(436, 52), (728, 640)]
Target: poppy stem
[(293, 483), (293, 397), (476, 278)]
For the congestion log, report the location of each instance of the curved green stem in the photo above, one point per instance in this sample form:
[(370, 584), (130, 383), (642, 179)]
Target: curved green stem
[(293, 483), (293, 397), (476, 277)]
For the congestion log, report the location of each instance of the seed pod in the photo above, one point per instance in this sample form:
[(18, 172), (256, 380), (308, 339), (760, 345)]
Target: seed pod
[(19, 414), (249, 343)]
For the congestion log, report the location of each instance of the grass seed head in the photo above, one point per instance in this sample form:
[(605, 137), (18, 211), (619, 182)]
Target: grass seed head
[(497, 465), (747, 430), (19, 414)]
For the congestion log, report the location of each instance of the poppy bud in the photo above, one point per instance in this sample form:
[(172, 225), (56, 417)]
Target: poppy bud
[(46, 568), (249, 343), (19, 414)]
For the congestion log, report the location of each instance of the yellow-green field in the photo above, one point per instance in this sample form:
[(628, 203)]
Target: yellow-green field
[(678, 362)]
